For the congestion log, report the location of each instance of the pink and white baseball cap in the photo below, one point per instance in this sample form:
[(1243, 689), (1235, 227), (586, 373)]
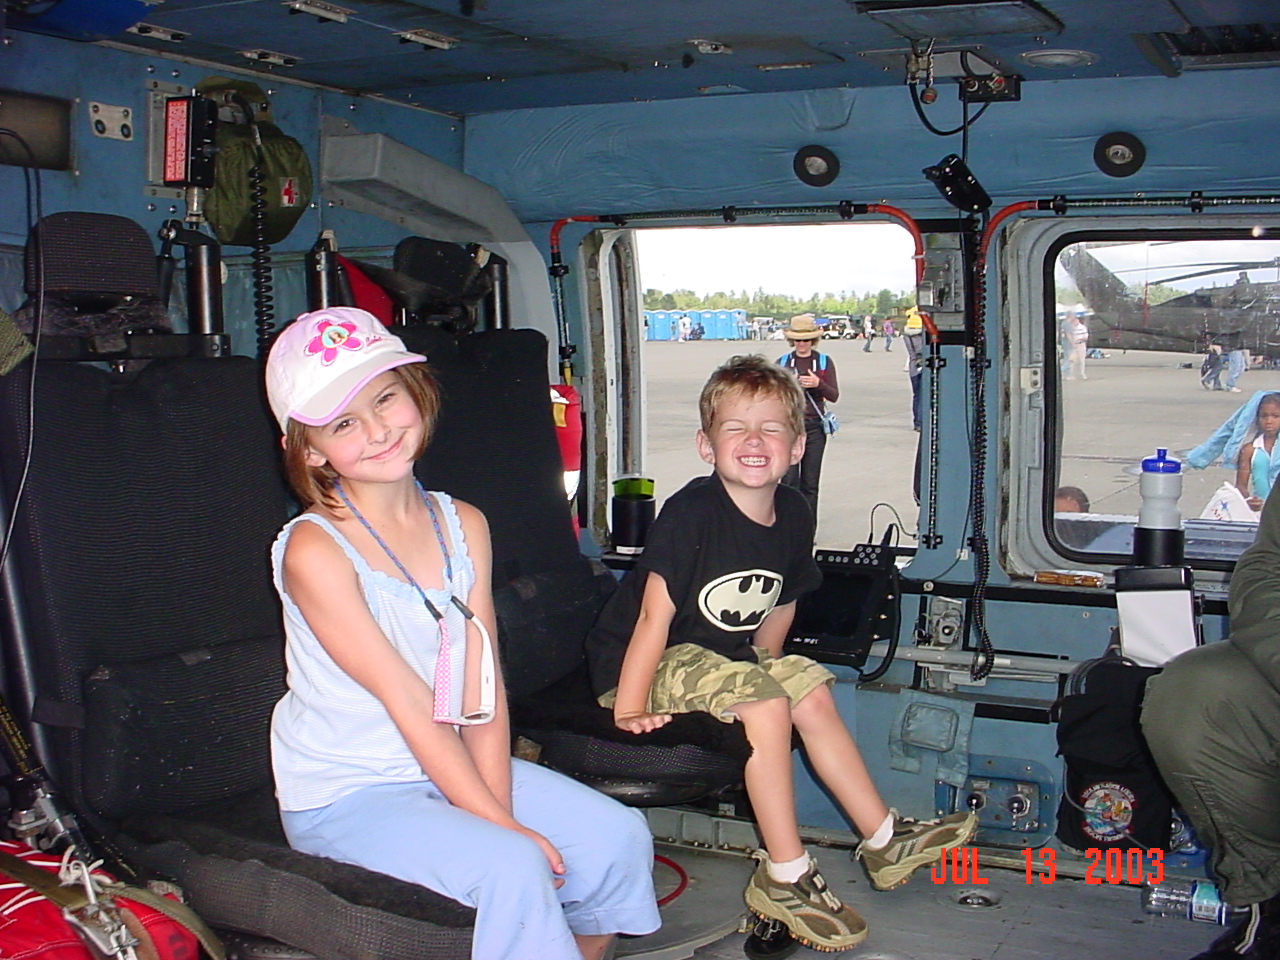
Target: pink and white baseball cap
[(324, 358)]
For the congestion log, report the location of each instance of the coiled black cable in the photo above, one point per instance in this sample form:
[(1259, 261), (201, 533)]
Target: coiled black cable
[(264, 312), (985, 658), (263, 302)]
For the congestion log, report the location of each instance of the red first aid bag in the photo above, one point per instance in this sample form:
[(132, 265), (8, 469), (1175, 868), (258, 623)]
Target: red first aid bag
[(32, 926)]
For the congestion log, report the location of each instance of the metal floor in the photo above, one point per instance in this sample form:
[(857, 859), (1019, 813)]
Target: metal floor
[(922, 921)]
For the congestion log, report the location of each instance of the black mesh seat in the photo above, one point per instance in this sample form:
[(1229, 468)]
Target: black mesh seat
[(153, 649), (496, 448)]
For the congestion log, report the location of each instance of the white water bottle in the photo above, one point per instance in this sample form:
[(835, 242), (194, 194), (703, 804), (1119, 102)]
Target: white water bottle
[(1158, 538)]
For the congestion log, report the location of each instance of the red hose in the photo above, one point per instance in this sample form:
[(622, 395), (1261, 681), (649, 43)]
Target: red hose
[(560, 225), (906, 220), (683, 877), (995, 221)]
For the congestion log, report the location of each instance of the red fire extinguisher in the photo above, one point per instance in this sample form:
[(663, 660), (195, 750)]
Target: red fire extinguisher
[(566, 407)]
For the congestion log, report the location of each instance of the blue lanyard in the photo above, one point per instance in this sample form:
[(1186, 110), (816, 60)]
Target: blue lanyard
[(443, 671), (444, 552)]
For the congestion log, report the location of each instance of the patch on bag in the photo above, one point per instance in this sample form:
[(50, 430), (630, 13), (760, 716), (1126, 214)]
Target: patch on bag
[(1108, 810)]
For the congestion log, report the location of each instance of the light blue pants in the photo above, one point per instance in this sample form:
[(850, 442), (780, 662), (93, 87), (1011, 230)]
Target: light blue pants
[(412, 832), (1235, 367)]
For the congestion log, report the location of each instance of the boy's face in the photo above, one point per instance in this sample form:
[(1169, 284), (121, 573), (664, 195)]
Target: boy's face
[(751, 443)]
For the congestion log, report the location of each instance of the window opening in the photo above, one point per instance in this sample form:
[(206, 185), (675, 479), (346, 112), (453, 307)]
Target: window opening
[(713, 292), (1159, 339)]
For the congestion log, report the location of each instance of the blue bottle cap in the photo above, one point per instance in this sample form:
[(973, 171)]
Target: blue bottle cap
[(1161, 463)]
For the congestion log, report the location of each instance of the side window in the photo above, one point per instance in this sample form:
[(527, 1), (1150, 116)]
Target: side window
[(1160, 339), (841, 293)]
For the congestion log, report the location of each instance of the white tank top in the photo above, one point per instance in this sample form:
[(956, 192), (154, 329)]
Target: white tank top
[(329, 735)]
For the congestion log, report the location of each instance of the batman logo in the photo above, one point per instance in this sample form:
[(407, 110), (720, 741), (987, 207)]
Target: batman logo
[(740, 601)]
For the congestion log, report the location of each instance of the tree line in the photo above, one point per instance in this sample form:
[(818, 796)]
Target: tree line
[(780, 306)]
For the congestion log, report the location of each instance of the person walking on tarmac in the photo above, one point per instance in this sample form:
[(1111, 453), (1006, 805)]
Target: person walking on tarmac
[(817, 375)]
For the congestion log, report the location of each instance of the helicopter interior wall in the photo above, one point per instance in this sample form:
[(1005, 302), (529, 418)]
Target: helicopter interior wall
[(1212, 131), (109, 176), (1207, 131)]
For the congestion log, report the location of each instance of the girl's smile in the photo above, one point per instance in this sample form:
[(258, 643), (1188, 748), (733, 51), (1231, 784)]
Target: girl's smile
[(373, 437)]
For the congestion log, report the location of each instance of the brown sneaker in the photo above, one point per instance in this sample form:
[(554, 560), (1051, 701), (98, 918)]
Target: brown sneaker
[(807, 908), (914, 843)]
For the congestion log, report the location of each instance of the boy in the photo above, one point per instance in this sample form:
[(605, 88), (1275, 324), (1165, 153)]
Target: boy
[(699, 625)]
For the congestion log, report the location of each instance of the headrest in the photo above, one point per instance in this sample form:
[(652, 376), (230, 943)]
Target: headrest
[(91, 253)]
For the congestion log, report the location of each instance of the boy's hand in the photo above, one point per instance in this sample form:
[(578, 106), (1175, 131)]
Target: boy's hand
[(641, 722)]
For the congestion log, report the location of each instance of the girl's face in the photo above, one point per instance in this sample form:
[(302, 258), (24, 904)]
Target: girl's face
[(374, 438), (1269, 418)]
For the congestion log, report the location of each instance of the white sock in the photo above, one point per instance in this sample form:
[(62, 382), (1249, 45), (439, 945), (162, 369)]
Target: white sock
[(883, 834), (789, 871)]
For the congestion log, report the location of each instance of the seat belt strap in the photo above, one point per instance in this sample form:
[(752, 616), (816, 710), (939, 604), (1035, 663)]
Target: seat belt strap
[(99, 929)]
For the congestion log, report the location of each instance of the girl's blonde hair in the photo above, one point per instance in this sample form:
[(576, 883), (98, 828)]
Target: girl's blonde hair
[(752, 376), (312, 485)]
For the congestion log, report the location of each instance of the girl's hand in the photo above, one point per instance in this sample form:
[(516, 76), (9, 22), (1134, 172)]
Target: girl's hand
[(549, 851), (641, 722), (1255, 503), (809, 380)]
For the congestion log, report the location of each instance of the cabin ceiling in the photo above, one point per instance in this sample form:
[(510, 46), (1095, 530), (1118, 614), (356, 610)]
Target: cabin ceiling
[(512, 54)]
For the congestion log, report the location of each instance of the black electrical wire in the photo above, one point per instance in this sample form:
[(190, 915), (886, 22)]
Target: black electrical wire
[(963, 128), (35, 212)]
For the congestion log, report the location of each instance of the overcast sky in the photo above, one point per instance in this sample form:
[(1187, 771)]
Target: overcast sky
[(794, 260)]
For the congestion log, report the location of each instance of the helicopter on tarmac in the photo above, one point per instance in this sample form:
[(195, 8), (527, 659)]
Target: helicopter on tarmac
[(1245, 310)]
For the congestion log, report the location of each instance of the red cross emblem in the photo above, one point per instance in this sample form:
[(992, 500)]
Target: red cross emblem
[(289, 192)]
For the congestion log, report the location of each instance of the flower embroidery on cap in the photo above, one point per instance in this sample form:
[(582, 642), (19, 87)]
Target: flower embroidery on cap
[(333, 336)]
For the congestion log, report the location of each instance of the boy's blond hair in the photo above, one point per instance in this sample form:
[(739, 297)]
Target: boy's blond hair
[(752, 376)]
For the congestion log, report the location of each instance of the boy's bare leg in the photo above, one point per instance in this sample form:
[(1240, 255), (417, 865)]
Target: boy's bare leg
[(593, 945), (767, 724), (837, 760)]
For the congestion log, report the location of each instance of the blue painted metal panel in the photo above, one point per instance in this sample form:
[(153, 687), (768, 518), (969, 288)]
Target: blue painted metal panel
[(1202, 131), (108, 176)]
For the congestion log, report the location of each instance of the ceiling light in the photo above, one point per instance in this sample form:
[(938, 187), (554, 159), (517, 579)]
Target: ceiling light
[(429, 39), (270, 56), (980, 18), (816, 166), (711, 46), (798, 65), (157, 32), (320, 9), (1058, 59), (723, 88)]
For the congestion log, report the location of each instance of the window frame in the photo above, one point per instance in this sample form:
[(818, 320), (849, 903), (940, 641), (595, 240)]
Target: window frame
[(1033, 391)]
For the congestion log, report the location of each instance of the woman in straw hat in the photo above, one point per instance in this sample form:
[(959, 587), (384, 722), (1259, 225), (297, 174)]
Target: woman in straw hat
[(817, 375)]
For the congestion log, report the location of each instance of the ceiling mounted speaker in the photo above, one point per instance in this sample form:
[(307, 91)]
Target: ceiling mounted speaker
[(1119, 154), (816, 166)]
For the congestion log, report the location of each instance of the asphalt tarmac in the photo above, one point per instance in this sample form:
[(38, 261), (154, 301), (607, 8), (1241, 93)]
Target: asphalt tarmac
[(1131, 403)]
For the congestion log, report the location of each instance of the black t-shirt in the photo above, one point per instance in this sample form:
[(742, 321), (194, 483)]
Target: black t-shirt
[(724, 573)]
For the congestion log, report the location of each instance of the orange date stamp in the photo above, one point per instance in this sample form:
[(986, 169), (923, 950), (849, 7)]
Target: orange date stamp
[(1133, 866)]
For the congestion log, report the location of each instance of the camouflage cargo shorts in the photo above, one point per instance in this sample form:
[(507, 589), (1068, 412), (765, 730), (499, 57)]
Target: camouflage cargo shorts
[(691, 678)]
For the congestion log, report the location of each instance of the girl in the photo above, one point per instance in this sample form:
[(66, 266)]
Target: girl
[(391, 747), (1253, 463)]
